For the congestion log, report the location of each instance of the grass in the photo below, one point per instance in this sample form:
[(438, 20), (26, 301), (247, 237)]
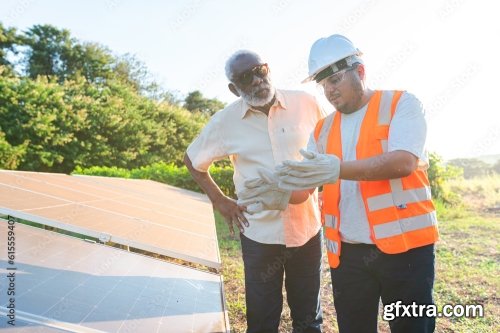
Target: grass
[(480, 193), (467, 270)]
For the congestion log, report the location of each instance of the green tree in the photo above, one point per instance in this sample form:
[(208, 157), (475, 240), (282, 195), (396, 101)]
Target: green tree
[(131, 70), (472, 167), (34, 113), (195, 102), (91, 60), (438, 174), (49, 50), (77, 105), (79, 123), (53, 52), (10, 157), (8, 39), (170, 97)]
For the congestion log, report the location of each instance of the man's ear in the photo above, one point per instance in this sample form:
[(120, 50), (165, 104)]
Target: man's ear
[(233, 89), (361, 71)]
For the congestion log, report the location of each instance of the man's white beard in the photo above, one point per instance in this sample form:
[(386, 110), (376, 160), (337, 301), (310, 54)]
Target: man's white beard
[(258, 101)]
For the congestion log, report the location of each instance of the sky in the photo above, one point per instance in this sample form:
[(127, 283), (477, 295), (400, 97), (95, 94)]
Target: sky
[(442, 51)]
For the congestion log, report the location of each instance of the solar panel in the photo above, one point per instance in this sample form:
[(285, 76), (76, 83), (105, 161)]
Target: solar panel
[(68, 284), (23, 326), (139, 213)]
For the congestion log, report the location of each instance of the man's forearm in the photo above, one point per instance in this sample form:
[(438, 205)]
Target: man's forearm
[(396, 164), (205, 181)]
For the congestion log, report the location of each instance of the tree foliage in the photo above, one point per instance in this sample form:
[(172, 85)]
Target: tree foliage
[(8, 39), (78, 123), (438, 174), (472, 167), (51, 52), (10, 156), (195, 102), (64, 103)]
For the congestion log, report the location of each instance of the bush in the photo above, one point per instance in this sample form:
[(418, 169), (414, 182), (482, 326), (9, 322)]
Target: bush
[(49, 126), (168, 174), (10, 157), (439, 174), (103, 171), (447, 212), (479, 193)]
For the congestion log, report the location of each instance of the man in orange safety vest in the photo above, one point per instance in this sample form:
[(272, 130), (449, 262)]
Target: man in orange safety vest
[(379, 220)]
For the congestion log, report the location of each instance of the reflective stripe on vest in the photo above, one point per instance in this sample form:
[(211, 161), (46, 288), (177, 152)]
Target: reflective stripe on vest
[(323, 134), (332, 246), (401, 226), (398, 199), (385, 114), (331, 221)]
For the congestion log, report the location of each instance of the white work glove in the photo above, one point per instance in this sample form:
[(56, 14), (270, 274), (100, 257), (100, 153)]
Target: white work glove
[(263, 193), (313, 171)]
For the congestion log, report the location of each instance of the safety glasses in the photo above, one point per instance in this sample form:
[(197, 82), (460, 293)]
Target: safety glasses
[(246, 78), (335, 79)]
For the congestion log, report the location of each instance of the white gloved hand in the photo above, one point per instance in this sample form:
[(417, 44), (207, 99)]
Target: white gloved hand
[(263, 193), (313, 171)]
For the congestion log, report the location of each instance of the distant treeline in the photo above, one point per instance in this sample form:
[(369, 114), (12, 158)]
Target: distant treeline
[(66, 103), (475, 167)]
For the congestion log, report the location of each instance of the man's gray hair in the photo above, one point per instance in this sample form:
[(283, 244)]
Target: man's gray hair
[(236, 55)]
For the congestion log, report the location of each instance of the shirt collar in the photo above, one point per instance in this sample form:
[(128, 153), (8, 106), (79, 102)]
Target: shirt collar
[(280, 101)]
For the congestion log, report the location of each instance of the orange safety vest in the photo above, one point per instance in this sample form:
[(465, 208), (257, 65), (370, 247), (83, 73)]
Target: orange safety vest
[(400, 212)]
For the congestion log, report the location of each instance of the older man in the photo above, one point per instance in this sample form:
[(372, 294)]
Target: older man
[(264, 127)]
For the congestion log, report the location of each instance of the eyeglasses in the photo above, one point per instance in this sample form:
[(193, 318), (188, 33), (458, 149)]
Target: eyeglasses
[(246, 78), (335, 79)]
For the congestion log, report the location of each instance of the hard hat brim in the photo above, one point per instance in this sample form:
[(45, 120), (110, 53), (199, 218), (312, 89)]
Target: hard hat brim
[(354, 58), (311, 77), (307, 79)]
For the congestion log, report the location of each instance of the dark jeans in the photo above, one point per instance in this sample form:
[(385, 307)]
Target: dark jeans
[(265, 265), (366, 274)]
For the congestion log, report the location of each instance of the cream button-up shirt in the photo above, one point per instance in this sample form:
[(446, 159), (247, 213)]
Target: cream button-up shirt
[(252, 140)]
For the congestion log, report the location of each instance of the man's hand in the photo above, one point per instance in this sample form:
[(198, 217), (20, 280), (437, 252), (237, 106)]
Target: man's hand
[(232, 213), (263, 193), (315, 170)]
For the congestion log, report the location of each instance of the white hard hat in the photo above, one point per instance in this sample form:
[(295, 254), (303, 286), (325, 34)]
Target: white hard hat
[(326, 52)]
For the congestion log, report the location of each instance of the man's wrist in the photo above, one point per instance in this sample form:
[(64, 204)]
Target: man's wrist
[(217, 198)]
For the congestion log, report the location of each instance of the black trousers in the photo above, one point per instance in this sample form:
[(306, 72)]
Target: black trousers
[(265, 265), (366, 275)]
